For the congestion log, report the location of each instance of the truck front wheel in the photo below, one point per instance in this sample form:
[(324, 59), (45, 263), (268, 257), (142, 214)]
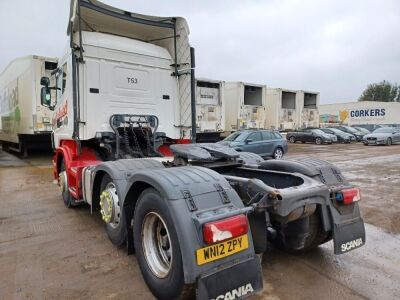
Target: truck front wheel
[(112, 212), (63, 183), (157, 247)]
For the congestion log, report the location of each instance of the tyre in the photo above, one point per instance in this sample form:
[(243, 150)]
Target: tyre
[(63, 182), (157, 248), (5, 146), (112, 211), (303, 142), (301, 235), (278, 153), (318, 141), (389, 142), (292, 139)]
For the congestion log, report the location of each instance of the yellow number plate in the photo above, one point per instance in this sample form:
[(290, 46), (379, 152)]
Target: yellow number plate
[(221, 250)]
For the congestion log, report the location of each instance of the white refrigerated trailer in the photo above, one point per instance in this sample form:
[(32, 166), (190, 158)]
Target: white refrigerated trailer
[(308, 114), (25, 124), (210, 110), (282, 109), (244, 105)]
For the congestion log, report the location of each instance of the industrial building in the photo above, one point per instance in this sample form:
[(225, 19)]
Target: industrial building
[(360, 113)]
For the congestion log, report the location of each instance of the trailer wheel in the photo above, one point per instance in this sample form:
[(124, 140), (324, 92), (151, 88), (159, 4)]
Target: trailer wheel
[(112, 212), (63, 182), (157, 247), (293, 239)]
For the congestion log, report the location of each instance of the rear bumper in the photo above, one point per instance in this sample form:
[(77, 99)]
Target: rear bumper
[(238, 281)]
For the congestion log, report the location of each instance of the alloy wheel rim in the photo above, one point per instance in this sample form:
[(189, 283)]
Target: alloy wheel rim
[(157, 246)]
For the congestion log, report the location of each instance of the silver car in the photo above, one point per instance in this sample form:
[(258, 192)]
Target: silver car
[(383, 136)]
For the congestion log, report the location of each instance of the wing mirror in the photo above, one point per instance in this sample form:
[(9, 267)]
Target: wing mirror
[(248, 141), (45, 93), (45, 81)]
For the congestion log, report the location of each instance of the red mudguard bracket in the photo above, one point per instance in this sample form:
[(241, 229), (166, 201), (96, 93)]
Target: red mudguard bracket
[(67, 152)]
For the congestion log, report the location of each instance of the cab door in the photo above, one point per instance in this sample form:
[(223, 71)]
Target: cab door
[(63, 118)]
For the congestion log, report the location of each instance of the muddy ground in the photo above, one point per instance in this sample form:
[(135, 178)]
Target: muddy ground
[(50, 252)]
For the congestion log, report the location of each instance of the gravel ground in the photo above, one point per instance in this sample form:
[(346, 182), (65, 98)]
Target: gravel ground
[(50, 252)]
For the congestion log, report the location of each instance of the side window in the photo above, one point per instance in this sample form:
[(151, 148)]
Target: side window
[(266, 135), (61, 81), (277, 135), (255, 136)]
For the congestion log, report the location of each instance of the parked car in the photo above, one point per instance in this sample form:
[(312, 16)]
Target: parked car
[(342, 137), (358, 134), (312, 136), (370, 127), (266, 143), (362, 129), (383, 136)]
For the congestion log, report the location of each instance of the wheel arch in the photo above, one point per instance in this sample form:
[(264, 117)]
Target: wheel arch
[(96, 188), (203, 186), (64, 152), (172, 183)]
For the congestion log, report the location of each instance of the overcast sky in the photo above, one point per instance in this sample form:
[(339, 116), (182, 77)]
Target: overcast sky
[(335, 47)]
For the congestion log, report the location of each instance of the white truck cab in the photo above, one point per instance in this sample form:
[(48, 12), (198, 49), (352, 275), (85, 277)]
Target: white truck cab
[(116, 65), (119, 75)]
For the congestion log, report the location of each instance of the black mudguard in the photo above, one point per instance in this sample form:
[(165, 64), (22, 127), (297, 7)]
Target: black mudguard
[(195, 195), (344, 222)]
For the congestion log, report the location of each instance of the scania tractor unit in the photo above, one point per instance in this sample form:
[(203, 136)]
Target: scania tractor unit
[(24, 123), (197, 216)]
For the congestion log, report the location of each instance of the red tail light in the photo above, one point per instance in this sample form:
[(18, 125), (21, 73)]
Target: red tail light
[(225, 229), (348, 196)]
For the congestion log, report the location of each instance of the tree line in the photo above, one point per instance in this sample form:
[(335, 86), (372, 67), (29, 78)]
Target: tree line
[(383, 91)]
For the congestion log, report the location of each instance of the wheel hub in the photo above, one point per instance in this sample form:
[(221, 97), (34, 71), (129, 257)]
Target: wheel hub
[(110, 209), (278, 154), (157, 245)]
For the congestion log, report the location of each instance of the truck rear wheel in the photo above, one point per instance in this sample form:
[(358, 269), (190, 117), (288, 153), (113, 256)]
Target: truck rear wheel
[(301, 235), (112, 212), (157, 247)]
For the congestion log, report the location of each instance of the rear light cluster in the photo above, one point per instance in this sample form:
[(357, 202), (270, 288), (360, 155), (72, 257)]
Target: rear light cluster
[(225, 229), (348, 196)]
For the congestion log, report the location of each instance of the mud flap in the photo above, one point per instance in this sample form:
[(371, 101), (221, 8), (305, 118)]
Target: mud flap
[(236, 282), (348, 236)]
